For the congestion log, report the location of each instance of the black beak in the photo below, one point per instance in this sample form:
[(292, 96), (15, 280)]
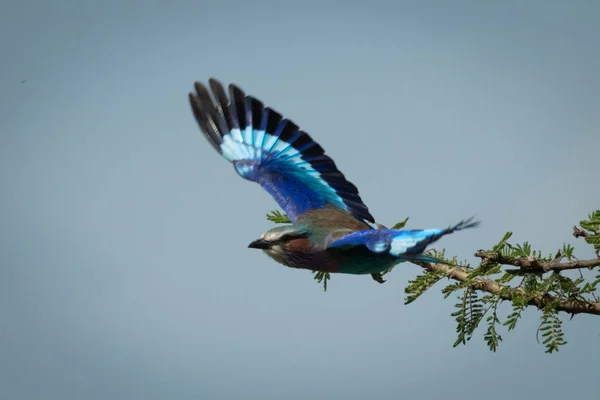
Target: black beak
[(260, 244)]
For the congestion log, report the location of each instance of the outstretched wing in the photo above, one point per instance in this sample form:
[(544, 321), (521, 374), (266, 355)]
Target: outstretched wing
[(271, 150), (404, 243)]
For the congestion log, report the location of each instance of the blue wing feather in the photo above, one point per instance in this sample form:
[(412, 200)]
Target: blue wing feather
[(403, 243), (271, 150)]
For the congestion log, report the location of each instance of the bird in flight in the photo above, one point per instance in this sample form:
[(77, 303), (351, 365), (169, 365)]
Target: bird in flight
[(330, 228)]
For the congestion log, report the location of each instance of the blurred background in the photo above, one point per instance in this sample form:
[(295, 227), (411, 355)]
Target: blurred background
[(124, 272)]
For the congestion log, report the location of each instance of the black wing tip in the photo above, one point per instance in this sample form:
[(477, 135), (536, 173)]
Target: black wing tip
[(235, 91), (216, 86), (207, 117), (465, 224), (225, 107), (338, 181), (214, 81), (199, 86)]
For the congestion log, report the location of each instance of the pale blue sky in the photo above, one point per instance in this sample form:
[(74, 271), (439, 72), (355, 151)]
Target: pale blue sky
[(124, 272)]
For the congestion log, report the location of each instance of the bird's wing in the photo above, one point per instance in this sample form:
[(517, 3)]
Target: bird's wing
[(402, 243), (271, 150)]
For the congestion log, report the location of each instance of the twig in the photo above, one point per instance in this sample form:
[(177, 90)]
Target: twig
[(571, 306), (536, 265), (578, 232)]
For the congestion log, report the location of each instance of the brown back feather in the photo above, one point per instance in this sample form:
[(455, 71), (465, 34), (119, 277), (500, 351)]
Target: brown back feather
[(332, 219)]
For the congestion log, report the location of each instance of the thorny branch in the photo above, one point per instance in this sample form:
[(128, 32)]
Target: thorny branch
[(578, 232), (571, 306), (532, 265)]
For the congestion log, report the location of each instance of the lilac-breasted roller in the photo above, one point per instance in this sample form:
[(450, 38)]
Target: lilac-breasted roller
[(330, 230)]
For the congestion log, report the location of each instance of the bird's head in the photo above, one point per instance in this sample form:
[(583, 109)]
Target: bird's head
[(279, 241)]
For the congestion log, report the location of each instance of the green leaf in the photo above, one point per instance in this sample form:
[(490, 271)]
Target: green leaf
[(590, 287), (568, 285), (485, 269), (595, 241), (491, 336), (592, 225), (498, 247), (400, 224), (551, 326), (421, 284), (506, 278), (568, 251), (461, 316), (522, 251), (593, 222), (468, 316), (322, 277), (278, 217), (519, 303), (449, 289)]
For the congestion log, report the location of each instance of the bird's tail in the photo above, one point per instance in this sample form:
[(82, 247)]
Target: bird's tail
[(407, 244), (429, 236)]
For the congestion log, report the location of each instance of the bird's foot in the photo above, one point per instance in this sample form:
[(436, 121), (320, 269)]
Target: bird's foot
[(378, 278)]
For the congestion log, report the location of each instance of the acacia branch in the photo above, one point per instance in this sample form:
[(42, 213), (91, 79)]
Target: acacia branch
[(578, 232), (541, 300), (536, 265)]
